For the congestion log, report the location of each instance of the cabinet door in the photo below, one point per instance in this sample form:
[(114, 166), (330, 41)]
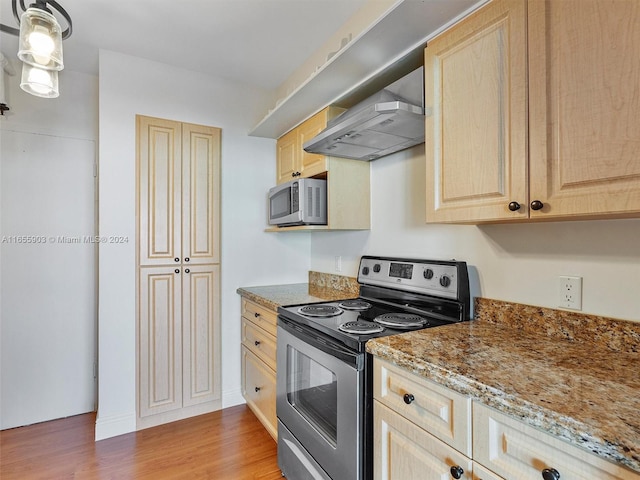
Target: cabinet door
[(476, 123), (201, 329), (200, 194), (259, 390), (287, 156), (159, 190), (160, 340), (584, 91), (403, 451), (312, 163)]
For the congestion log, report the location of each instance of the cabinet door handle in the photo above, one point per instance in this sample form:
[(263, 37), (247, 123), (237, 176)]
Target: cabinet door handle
[(177, 270), (536, 205), (176, 259), (186, 259), (256, 314), (457, 471), (186, 270), (257, 389), (550, 474), (256, 343), (408, 398), (514, 206)]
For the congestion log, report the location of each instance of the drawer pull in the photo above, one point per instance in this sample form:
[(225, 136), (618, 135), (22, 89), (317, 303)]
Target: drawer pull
[(256, 314), (408, 398), (257, 389), (256, 343), (550, 474), (457, 471)]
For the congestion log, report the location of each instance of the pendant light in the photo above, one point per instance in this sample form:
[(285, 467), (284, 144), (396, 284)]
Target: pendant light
[(40, 45)]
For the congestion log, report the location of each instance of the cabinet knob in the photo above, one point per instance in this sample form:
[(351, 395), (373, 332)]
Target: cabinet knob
[(186, 270), (256, 343), (457, 471), (176, 259), (536, 205), (257, 389), (256, 314), (550, 474), (408, 398), (186, 259), (177, 270), (514, 206)]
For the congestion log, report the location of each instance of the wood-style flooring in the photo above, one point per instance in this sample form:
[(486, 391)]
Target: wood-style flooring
[(228, 444)]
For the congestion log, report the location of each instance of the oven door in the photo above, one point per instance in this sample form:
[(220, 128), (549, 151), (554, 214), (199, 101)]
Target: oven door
[(320, 390)]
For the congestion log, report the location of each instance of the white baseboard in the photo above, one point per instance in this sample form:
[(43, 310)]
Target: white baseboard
[(114, 425), (231, 398)]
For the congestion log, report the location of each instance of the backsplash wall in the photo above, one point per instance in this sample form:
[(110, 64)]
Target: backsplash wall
[(516, 262)]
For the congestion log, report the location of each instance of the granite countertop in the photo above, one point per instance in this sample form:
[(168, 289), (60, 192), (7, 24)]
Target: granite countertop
[(322, 287), (575, 377)]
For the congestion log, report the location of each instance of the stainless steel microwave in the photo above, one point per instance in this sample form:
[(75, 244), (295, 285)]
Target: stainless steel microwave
[(298, 202)]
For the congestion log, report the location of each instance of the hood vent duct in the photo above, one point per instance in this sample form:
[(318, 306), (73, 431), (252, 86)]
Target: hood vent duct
[(386, 122)]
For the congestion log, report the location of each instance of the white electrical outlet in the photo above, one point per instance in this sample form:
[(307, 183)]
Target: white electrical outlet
[(338, 264), (570, 293)]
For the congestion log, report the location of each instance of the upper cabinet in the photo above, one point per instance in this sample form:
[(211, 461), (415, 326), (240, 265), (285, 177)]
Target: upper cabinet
[(556, 138), (348, 181), (292, 160)]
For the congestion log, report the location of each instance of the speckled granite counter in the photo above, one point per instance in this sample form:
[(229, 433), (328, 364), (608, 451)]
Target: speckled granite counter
[(574, 376), (321, 287)]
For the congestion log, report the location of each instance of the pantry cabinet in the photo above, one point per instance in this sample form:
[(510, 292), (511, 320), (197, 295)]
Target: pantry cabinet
[(178, 271), (423, 430), (555, 138), (259, 326)]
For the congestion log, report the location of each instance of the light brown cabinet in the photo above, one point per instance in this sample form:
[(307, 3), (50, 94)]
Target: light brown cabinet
[(259, 325), (178, 328), (555, 138), (422, 430), (348, 181)]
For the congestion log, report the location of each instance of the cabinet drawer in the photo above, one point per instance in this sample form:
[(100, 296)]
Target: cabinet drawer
[(515, 450), (259, 342), (261, 316), (442, 412), (405, 451), (259, 390)]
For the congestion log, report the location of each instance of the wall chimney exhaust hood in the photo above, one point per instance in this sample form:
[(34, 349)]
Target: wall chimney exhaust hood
[(386, 122)]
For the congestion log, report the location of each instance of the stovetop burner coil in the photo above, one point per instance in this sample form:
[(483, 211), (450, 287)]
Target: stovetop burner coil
[(407, 321), (319, 310), (361, 328), (356, 304)]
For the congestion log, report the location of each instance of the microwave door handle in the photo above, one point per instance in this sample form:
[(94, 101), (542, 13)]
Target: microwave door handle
[(356, 360)]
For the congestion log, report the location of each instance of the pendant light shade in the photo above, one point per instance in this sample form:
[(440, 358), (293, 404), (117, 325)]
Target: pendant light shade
[(39, 82), (40, 40)]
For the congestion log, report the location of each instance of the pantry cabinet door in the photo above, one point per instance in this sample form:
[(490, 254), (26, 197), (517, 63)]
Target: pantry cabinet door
[(201, 329), (200, 194), (159, 340), (584, 88), (159, 190), (476, 118)]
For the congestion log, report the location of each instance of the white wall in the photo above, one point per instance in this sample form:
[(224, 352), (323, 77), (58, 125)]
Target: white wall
[(519, 263), (130, 86)]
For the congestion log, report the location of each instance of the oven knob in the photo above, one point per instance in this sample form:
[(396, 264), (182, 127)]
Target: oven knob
[(365, 270), (376, 267), (445, 281), (428, 274)]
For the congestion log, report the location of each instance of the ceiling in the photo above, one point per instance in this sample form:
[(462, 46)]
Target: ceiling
[(257, 42)]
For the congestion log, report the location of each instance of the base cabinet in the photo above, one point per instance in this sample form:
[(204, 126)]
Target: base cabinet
[(412, 440), (259, 363)]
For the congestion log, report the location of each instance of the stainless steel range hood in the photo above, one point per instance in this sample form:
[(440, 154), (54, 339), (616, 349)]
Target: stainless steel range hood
[(386, 122)]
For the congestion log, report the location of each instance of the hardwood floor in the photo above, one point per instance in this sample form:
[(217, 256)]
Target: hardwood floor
[(228, 444)]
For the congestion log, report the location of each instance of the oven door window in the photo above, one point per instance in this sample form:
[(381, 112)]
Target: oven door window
[(312, 391), (280, 204)]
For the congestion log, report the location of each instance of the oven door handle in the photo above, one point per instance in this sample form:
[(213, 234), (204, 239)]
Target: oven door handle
[(336, 350)]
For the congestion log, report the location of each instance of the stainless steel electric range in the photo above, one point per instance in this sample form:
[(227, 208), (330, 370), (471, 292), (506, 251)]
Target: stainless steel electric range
[(324, 398)]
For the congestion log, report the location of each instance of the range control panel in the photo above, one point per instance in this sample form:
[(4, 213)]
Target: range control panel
[(429, 277)]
